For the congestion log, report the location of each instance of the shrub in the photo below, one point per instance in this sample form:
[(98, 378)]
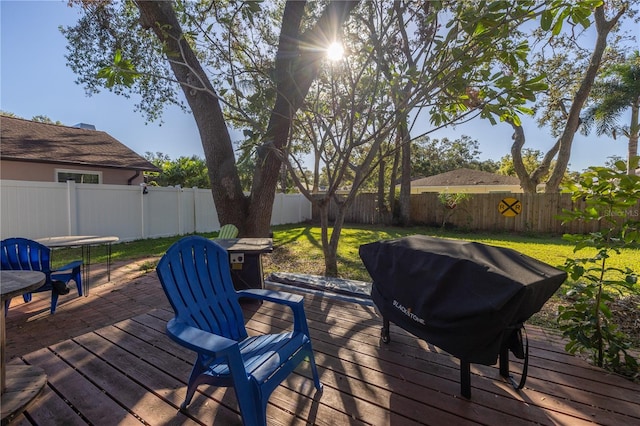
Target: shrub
[(451, 201), (611, 197)]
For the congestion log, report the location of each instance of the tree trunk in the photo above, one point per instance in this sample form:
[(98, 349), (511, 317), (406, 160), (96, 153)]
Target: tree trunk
[(529, 183), (634, 129), (405, 175), (330, 255), (393, 180), (316, 172), (226, 188), (603, 28), (296, 68), (382, 205), (526, 183), (330, 244)]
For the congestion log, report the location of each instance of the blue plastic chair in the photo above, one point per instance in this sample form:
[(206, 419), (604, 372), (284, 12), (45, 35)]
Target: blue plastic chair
[(28, 255), (196, 278)]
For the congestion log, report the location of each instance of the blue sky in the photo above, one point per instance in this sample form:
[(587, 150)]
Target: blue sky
[(34, 80)]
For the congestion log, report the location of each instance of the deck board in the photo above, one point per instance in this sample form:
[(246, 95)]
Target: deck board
[(83, 396), (130, 372)]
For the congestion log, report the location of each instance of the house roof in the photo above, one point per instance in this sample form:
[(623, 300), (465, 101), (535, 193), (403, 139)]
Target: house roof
[(466, 177), (25, 140)]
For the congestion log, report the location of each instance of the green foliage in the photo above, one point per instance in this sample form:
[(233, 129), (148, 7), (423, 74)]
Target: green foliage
[(37, 118), (615, 94), (184, 171), (451, 200), (148, 266), (45, 119), (108, 48), (121, 72), (566, 56), (532, 158), (434, 156), (610, 197), (451, 203), (577, 13), (500, 81), (246, 165)]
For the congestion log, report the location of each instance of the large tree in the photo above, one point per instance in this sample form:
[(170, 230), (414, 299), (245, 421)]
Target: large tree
[(122, 31), (457, 53), (461, 59), (453, 59)]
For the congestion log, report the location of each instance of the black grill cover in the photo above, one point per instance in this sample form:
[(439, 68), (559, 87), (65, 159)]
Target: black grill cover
[(463, 297)]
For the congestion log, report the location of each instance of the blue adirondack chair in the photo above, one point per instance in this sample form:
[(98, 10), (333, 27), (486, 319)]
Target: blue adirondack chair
[(29, 255), (196, 278)]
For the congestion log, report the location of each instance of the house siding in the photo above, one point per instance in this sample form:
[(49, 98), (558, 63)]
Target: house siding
[(45, 172), (32, 151)]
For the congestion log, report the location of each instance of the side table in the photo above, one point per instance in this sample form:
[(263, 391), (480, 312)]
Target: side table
[(20, 384)]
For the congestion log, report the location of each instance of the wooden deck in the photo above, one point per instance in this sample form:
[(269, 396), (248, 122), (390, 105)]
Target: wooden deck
[(129, 372)]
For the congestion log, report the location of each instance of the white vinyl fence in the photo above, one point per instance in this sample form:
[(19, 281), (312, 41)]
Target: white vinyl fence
[(46, 209)]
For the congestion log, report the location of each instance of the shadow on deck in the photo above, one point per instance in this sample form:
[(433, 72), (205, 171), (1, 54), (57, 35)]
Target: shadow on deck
[(108, 361)]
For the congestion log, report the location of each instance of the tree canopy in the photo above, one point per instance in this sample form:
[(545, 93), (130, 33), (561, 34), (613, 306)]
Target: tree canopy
[(196, 55), (434, 156), (261, 67), (188, 172), (37, 118)]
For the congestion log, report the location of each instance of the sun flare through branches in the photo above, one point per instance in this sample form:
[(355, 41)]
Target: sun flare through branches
[(335, 51)]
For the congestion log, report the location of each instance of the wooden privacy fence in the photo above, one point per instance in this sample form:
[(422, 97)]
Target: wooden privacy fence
[(487, 212)]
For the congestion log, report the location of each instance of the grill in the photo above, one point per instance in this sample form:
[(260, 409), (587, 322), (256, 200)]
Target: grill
[(467, 298)]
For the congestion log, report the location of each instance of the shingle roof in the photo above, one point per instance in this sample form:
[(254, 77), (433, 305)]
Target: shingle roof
[(466, 177), (24, 140)]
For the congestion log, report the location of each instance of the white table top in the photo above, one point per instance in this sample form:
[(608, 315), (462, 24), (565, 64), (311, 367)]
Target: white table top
[(255, 245), (77, 240)]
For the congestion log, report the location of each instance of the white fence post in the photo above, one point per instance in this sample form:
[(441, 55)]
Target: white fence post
[(194, 206), (180, 213), (143, 232), (72, 208)]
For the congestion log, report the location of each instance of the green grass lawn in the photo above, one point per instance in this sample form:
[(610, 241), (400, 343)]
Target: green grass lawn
[(305, 241), (299, 249)]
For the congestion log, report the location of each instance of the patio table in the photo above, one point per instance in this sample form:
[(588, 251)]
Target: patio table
[(20, 384), (84, 242)]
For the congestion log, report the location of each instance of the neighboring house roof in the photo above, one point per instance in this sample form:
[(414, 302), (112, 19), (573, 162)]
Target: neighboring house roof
[(465, 177), (25, 140)]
